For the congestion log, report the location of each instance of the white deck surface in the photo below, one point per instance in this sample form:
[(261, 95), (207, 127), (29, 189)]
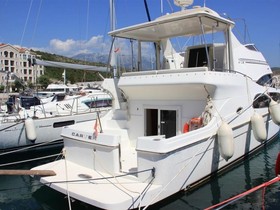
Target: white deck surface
[(113, 193)]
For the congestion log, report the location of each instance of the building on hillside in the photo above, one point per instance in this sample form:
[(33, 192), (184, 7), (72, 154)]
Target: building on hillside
[(17, 62)]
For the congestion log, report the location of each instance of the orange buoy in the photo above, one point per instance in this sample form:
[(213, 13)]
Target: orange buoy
[(277, 165), (186, 128)]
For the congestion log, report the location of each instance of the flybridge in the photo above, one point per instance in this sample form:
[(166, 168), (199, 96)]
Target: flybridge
[(184, 23)]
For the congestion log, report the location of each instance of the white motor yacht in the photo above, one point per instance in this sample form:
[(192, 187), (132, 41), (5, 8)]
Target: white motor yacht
[(195, 114)]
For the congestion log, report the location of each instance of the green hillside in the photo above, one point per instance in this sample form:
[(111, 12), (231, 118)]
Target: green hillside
[(72, 75)]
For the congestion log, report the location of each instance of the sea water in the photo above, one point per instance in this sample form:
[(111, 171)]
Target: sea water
[(24, 192)]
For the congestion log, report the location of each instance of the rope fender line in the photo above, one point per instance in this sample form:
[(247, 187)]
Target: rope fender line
[(241, 195)]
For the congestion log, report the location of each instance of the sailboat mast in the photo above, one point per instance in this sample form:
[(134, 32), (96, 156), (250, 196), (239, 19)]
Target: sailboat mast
[(112, 12), (113, 27)]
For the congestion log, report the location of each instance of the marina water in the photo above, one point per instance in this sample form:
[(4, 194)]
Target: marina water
[(24, 192)]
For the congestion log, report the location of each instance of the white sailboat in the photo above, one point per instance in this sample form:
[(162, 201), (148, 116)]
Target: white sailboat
[(29, 122), (173, 126)]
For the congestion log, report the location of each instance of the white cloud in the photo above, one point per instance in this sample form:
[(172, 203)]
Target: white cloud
[(96, 44), (71, 47), (62, 46)]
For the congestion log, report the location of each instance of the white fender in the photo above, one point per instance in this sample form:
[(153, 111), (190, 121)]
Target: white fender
[(30, 129), (274, 110), (258, 126), (225, 141)]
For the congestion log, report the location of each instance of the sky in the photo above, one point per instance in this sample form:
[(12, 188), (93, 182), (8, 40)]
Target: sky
[(70, 27)]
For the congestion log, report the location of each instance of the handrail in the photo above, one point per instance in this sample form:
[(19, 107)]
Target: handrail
[(166, 71)]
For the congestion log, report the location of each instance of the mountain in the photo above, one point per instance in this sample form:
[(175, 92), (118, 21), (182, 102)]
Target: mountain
[(92, 57), (73, 75), (276, 70), (124, 61)]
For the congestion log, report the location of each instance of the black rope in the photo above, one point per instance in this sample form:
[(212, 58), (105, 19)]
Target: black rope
[(147, 10)]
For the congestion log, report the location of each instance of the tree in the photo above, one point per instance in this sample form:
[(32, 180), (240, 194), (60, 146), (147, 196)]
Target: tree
[(30, 85), (18, 85), (2, 88), (44, 81)]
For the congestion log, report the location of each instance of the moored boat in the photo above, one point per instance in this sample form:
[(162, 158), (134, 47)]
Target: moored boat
[(28, 121), (195, 114)]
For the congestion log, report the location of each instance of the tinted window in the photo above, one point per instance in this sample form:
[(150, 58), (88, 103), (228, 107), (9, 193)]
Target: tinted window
[(275, 96), (63, 123), (251, 47), (26, 102), (198, 57), (261, 100), (97, 104), (265, 80)]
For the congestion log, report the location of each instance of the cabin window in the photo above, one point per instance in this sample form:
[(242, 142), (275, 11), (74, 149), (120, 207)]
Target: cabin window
[(63, 123), (275, 96), (98, 103), (160, 122), (251, 47), (59, 97), (261, 101), (27, 102), (265, 80), (198, 57)]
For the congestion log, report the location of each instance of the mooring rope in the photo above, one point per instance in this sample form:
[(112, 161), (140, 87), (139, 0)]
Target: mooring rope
[(28, 147), (241, 195), (29, 160), (143, 191), (66, 175)]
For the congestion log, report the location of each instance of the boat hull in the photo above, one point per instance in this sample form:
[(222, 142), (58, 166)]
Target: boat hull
[(155, 179), (13, 134)]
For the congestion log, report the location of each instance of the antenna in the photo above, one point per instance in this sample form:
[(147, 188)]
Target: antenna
[(161, 7), (204, 4), (279, 53)]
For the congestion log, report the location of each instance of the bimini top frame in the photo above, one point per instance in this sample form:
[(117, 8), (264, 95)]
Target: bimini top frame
[(183, 23)]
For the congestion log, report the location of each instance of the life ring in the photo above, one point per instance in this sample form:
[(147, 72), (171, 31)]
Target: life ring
[(195, 123), (186, 128)]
